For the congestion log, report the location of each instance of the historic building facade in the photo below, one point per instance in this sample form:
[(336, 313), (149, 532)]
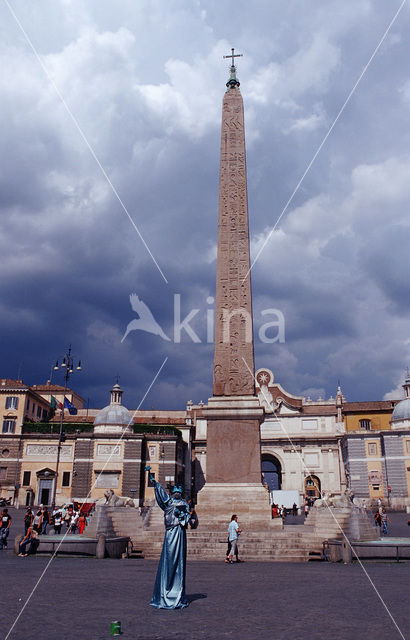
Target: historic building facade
[(101, 449), (300, 441), (376, 452), (310, 447), (18, 404)]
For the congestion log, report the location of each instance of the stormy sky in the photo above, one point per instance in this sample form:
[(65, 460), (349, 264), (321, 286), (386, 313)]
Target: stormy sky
[(110, 133)]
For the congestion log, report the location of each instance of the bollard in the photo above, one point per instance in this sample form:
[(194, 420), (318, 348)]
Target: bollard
[(100, 550), (346, 552), (115, 628)]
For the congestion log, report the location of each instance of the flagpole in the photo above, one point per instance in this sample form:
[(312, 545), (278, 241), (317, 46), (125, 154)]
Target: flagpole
[(68, 365)]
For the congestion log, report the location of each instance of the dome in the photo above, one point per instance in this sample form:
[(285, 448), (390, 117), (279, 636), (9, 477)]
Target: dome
[(114, 418), (401, 411), (114, 414)]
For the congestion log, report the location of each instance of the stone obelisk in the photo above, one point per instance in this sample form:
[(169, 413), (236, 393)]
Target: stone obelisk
[(233, 453)]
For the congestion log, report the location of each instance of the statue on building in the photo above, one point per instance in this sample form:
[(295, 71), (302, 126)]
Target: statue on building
[(169, 589)]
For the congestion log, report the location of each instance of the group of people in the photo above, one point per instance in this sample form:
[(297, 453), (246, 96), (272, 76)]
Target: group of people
[(37, 521), (74, 520), (281, 511)]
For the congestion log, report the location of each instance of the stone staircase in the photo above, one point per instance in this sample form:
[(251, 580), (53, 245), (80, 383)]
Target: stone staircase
[(292, 543)]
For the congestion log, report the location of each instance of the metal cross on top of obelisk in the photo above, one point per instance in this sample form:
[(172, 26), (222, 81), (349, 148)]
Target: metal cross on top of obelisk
[(234, 55)]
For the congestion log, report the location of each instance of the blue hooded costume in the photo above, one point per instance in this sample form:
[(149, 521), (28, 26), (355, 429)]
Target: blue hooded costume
[(169, 589)]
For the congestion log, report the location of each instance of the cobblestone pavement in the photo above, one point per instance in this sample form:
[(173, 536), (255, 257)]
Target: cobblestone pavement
[(79, 597)]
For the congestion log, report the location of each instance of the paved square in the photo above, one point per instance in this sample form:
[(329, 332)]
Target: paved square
[(79, 597)]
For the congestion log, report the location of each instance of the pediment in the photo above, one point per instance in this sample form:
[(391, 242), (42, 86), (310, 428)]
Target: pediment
[(46, 472), (286, 409)]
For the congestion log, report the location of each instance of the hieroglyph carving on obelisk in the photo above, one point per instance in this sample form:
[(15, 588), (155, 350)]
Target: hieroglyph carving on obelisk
[(234, 355)]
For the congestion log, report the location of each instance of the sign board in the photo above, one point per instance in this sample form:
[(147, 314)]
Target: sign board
[(285, 498)]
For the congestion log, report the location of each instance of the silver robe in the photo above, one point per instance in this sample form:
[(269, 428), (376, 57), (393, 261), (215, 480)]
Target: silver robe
[(169, 589)]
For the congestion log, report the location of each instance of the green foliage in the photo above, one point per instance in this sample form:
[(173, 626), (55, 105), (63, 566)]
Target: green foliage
[(158, 429), (54, 427), (74, 427)]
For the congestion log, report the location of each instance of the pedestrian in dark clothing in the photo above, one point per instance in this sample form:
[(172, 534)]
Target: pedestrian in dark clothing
[(28, 519), (45, 521), (378, 519)]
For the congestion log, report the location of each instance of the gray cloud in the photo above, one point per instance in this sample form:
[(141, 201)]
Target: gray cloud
[(145, 83)]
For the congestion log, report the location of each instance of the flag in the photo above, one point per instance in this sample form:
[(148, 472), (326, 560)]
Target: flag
[(71, 408), (54, 403)]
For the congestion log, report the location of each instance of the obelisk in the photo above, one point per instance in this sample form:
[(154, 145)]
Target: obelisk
[(233, 414)]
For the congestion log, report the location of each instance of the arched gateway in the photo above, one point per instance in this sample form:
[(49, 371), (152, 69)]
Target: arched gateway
[(272, 472), (312, 487)]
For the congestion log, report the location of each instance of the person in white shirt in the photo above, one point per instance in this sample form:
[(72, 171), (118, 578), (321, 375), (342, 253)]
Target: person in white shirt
[(233, 533)]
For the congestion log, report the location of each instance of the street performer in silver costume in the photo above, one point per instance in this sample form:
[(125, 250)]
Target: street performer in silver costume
[(169, 589)]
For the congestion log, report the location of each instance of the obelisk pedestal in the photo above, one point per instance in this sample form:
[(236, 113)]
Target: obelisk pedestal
[(233, 471)]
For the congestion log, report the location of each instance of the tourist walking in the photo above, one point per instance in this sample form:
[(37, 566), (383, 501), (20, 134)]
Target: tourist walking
[(82, 523), (37, 520), (169, 589), (233, 535), (385, 521), (58, 521), (67, 517), (28, 519), (45, 521), (74, 521), (5, 523), (378, 519)]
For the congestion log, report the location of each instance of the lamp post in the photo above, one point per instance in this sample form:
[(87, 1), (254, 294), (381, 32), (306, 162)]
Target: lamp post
[(68, 366)]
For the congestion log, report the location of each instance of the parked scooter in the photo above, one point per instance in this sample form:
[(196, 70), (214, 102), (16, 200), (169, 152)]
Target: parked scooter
[(4, 502)]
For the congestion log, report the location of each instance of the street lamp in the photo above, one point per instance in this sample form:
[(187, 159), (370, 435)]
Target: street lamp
[(68, 366)]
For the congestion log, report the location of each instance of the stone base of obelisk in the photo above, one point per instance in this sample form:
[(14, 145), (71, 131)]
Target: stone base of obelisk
[(233, 465), (217, 502)]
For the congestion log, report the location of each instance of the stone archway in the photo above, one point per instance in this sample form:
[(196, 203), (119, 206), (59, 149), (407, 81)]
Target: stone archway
[(272, 471), (312, 487)]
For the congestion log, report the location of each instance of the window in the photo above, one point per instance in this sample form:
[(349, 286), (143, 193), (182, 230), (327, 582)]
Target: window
[(26, 478), (408, 446), (372, 448), (3, 473), (309, 425), (12, 402), (9, 426), (365, 424), (107, 480), (66, 479), (39, 412)]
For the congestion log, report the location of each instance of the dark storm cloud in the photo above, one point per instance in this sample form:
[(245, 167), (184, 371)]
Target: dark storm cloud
[(145, 84)]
